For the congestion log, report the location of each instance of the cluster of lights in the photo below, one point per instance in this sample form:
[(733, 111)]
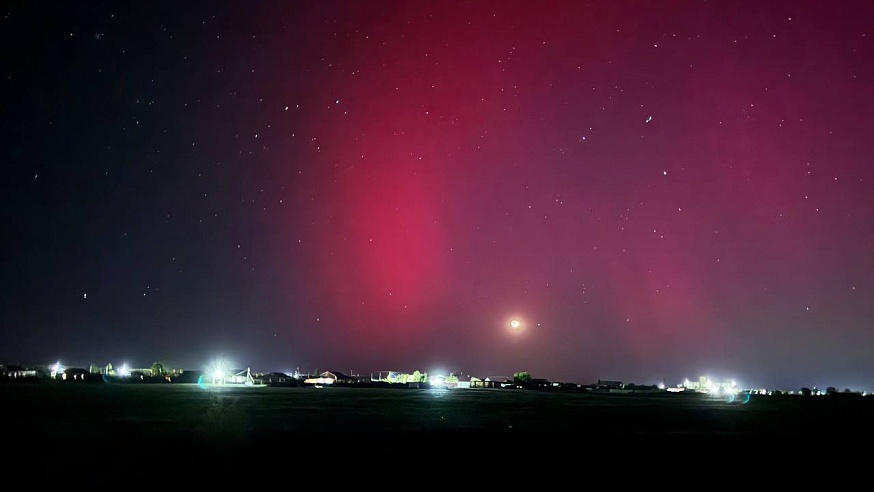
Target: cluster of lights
[(221, 374), (58, 370)]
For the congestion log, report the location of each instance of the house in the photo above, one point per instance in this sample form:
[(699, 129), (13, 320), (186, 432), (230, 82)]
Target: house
[(539, 383), (607, 384), (334, 378), (278, 379), (491, 382), (17, 372)]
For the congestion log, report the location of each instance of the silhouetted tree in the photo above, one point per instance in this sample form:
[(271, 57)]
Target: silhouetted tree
[(522, 378), (805, 391)]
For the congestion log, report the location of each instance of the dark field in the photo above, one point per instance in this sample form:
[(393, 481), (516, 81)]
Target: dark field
[(69, 429)]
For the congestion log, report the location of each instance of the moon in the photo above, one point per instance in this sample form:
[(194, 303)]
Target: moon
[(515, 324)]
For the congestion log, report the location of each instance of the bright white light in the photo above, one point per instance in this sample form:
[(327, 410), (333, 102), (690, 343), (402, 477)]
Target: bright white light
[(516, 324), (219, 370), (437, 380)]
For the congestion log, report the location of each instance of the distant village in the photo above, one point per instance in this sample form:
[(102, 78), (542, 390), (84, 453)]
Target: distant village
[(220, 376)]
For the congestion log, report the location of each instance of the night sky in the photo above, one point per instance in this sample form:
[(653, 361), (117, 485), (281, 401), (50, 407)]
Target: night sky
[(655, 190)]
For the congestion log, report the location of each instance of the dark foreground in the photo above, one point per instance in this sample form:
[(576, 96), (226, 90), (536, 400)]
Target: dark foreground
[(100, 432)]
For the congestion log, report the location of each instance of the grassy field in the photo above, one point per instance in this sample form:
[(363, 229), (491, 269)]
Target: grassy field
[(67, 424)]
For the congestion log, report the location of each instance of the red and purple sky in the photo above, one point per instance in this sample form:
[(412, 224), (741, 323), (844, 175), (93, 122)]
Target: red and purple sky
[(654, 190)]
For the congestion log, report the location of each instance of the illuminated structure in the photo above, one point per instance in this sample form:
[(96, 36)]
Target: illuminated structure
[(329, 378), (397, 377), (706, 385), (57, 370)]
